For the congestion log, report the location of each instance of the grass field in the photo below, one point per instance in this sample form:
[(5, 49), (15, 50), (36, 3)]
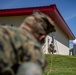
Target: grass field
[(60, 65)]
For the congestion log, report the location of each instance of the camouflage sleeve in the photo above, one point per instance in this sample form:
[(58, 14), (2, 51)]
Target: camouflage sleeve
[(34, 53), (16, 47), (5, 50)]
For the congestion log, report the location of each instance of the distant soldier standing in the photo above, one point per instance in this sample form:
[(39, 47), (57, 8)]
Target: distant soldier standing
[(19, 45)]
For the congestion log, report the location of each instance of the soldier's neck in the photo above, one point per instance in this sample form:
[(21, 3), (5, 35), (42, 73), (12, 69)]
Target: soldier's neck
[(26, 28), (34, 33)]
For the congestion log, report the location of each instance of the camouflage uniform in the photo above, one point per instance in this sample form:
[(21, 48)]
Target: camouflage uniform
[(17, 46)]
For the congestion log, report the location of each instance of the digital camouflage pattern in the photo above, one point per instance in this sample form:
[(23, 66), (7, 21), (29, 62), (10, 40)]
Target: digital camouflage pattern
[(17, 46)]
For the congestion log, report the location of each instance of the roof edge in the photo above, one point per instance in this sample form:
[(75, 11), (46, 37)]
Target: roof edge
[(72, 35)]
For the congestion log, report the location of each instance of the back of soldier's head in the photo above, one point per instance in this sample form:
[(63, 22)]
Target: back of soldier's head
[(29, 68), (40, 22)]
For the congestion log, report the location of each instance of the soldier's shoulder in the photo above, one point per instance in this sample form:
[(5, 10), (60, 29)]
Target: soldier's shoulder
[(19, 34)]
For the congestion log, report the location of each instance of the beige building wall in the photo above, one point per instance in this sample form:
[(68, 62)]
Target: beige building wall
[(12, 20), (61, 41)]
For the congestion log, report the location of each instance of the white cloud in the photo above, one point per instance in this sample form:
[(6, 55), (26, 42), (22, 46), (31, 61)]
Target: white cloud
[(70, 17)]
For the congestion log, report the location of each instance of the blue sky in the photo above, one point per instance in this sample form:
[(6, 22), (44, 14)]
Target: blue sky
[(67, 8)]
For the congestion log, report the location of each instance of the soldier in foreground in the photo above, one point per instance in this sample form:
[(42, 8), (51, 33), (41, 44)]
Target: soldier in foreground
[(23, 44)]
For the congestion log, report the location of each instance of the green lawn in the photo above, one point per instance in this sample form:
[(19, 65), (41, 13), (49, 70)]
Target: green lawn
[(60, 65)]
